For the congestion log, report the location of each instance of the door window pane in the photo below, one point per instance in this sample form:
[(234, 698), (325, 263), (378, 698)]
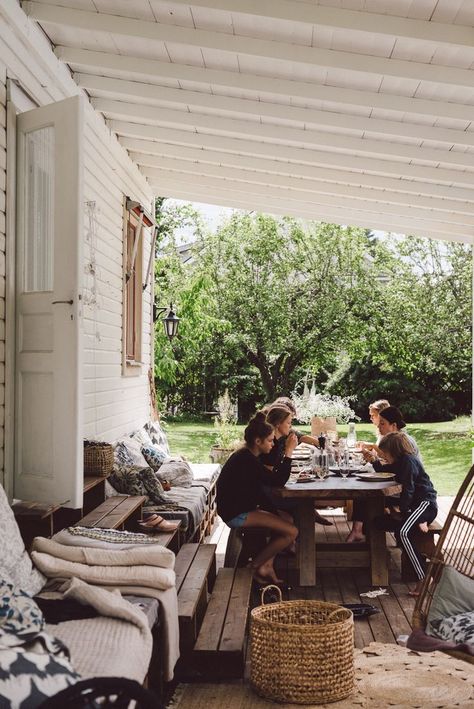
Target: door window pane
[(39, 202)]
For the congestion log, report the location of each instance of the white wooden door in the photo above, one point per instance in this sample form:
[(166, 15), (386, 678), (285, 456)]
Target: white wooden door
[(48, 405)]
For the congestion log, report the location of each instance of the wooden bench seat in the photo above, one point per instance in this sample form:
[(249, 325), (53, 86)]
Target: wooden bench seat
[(195, 569), (425, 542), (117, 512), (219, 651)]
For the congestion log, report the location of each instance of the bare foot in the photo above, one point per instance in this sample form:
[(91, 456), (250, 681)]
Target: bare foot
[(265, 574), (415, 592), (423, 526), (354, 537)]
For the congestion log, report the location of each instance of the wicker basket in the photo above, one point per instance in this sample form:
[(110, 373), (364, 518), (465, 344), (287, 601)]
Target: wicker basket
[(302, 651), (98, 458)]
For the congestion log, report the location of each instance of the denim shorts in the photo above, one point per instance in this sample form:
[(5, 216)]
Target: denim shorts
[(238, 520)]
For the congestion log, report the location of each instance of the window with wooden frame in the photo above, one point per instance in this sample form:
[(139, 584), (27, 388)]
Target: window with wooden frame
[(135, 223)]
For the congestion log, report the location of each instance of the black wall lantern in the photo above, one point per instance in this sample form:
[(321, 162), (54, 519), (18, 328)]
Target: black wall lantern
[(170, 321)]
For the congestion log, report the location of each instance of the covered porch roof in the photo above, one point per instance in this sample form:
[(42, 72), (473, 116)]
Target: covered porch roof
[(351, 111)]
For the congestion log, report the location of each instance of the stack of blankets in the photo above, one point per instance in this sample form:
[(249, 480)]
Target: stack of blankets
[(96, 567)]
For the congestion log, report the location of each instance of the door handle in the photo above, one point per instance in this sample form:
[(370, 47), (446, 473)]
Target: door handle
[(67, 302)]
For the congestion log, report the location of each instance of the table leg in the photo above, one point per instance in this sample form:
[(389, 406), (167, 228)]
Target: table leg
[(377, 543), (306, 543)]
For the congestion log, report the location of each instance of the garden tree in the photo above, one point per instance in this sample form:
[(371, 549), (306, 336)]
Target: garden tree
[(288, 294), (416, 350)]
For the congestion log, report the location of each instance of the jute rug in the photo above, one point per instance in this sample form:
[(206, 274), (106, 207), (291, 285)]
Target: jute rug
[(386, 676)]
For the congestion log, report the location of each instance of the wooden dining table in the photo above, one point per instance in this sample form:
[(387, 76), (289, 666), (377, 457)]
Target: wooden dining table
[(337, 488)]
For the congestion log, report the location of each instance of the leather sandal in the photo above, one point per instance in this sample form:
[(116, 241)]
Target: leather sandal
[(156, 523)]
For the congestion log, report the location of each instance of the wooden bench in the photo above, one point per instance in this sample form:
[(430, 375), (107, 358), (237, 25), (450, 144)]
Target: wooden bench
[(425, 542), (219, 651), (117, 512), (39, 519), (242, 545), (195, 569)]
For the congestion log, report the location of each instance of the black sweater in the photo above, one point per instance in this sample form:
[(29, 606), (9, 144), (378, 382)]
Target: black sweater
[(240, 484), (416, 484)]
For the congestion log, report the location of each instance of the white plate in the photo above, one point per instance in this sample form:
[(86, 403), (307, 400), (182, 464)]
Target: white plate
[(376, 477)]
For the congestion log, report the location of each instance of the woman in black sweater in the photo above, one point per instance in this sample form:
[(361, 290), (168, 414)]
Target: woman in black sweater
[(242, 501)]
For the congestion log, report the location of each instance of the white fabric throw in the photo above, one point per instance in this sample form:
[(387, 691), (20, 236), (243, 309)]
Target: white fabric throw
[(138, 575), (150, 555), (94, 648)]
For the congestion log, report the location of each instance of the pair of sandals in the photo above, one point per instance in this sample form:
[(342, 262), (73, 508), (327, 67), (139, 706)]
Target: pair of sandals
[(156, 523)]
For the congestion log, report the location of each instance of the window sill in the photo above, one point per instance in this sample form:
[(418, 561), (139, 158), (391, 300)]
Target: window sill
[(132, 368)]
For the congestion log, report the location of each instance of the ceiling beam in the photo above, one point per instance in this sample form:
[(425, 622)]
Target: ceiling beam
[(287, 188), (142, 68), (338, 18), (268, 206), (249, 46), (228, 197), (304, 200), (366, 147), (256, 130), (189, 160), (261, 156), (157, 95)]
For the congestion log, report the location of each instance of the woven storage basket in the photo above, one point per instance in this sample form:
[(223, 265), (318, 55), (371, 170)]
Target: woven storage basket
[(98, 458), (302, 651)]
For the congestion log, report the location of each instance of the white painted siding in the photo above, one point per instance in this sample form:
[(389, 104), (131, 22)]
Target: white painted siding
[(3, 162), (113, 404)]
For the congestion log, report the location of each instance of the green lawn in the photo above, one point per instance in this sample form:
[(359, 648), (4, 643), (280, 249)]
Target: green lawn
[(445, 447)]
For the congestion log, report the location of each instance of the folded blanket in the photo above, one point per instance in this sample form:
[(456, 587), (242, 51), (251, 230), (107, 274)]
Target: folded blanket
[(169, 614), (150, 555), (121, 639), (138, 575), (103, 538)]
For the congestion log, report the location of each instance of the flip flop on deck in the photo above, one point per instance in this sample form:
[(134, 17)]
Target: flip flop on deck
[(156, 523)]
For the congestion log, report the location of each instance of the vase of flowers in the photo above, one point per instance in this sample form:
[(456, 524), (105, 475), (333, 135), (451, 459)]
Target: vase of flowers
[(322, 411), (227, 436)]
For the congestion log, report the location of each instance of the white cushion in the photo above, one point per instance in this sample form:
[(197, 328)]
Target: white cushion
[(15, 564)]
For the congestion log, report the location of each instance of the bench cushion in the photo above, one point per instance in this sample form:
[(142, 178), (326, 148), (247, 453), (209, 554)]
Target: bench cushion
[(206, 472)]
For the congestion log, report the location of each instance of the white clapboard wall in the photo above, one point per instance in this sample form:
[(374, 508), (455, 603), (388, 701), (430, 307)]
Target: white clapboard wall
[(113, 404)]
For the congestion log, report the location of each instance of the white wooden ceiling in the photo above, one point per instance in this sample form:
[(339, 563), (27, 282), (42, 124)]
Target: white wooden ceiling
[(351, 111)]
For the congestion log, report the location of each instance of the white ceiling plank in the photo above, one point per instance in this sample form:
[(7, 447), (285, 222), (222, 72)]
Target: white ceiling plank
[(290, 171), (299, 190), (388, 156), (298, 54), (343, 19), (146, 93), (167, 185), (250, 82), (330, 159), (225, 199), (255, 155)]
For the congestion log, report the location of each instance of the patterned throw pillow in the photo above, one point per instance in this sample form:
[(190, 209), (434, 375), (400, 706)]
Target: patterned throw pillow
[(154, 456), (128, 456), (139, 482), (142, 436), (34, 665), (15, 564), (458, 628), (157, 435)]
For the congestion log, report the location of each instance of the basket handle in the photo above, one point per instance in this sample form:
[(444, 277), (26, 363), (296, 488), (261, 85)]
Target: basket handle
[(338, 610), (267, 588)]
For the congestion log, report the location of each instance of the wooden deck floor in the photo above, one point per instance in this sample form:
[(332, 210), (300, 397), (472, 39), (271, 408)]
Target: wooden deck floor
[(345, 586)]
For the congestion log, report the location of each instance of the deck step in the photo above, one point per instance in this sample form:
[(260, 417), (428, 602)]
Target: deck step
[(219, 651), (195, 575)]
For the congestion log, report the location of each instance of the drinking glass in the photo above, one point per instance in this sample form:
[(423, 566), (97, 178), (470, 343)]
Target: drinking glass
[(345, 471)]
